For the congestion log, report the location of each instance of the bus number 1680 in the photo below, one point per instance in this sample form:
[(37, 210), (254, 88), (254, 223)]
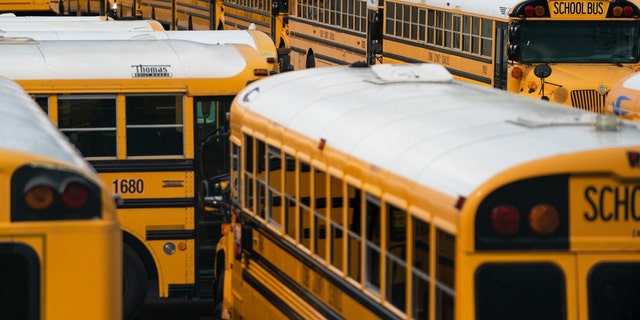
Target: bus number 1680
[(128, 186)]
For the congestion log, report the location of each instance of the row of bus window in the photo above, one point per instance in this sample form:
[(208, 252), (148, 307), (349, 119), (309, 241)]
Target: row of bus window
[(411, 22), (261, 5), (154, 123), (348, 14), (343, 226), (440, 28)]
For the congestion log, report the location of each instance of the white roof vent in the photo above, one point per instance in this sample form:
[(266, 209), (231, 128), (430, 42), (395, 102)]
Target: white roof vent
[(423, 72)]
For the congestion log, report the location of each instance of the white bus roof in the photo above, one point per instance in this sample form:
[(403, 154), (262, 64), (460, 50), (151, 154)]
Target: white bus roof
[(24, 127), (488, 8), (119, 59), (80, 25), (202, 36), (13, 17), (424, 126)]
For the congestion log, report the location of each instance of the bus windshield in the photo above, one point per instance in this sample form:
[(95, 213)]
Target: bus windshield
[(579, 41)]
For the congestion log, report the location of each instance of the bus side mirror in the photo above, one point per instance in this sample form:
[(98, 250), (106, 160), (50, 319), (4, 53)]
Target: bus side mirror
[(514, 33), (215, 193), (513, 52)]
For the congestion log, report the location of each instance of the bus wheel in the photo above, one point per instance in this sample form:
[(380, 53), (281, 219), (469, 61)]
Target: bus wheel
[(134, 283), (217, 311)]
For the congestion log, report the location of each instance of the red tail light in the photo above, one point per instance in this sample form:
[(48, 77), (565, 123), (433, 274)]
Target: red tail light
[(505, 220), (75, 195)]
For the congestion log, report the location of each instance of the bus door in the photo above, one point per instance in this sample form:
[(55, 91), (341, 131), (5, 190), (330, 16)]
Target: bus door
[(374, 31), (500, 63), (211, 156)]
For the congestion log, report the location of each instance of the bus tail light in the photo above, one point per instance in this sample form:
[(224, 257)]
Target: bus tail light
[(529, 11), (527, 214), (537, 11), (39, 197), (544, 219), (619, 11), (75, 195), (47, 193), (505, 220)]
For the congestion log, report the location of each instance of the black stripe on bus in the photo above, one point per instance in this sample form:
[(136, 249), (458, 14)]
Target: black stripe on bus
[(104, 166), (248, 21), (455, 72), (312, 264), (271, 297), (317, 304), (338, 30), (435, 48), (328, 43), (157, 203), (194, 11), (180, 234), (322, 57)]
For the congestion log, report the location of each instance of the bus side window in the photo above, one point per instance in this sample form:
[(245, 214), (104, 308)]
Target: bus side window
[(304, 196), (247, 197), (289, 187), (372, 243), (396, 256), (155, 125), (319, 214), (420, 270), (337, 229), (354, 198), (89, 122), (261, 178), (445, 265), (275, 187)]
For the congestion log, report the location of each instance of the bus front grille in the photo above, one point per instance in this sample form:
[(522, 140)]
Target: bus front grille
[(589, 100)]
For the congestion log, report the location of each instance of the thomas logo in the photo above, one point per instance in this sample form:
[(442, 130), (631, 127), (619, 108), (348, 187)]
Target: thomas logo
[(151, 71)]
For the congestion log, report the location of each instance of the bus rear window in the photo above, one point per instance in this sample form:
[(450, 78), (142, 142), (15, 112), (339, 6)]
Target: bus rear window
[(614, 291), (520, 291)]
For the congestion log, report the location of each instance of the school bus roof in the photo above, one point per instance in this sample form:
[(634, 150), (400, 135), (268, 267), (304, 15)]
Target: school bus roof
[(79, 25), (487, 8), (203, 36), (119, 59), (438, 132)]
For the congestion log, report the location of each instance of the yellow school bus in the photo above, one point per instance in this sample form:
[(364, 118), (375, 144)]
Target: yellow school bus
[(151, 117), (569, 52), (394, 191), (624, 98), (60, 241)]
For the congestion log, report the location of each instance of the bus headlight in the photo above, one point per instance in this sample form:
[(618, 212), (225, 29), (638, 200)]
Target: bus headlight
[(169, 248)]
